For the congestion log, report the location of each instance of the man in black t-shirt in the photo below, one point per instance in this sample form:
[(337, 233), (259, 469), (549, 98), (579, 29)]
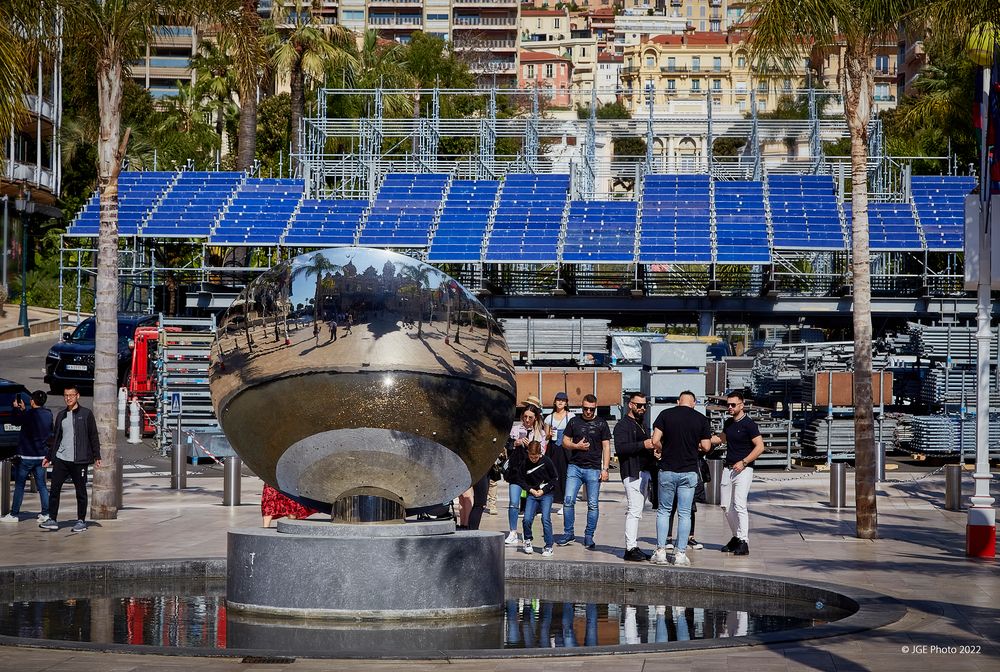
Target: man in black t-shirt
[(588, 441), (678, 434), (744, 445)]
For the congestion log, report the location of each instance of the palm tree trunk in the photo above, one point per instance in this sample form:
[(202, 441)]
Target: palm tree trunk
[(247, 138), (297, 105), (109, 100), (858, 105)]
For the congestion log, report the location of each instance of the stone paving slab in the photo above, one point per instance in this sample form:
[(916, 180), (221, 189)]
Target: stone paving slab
[(951, 601)]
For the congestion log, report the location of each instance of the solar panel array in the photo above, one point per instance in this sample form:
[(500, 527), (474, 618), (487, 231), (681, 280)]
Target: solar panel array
[(528, 218)]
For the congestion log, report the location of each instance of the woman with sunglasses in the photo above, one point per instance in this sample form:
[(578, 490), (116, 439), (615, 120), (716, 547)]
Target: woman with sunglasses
[(529, 428)]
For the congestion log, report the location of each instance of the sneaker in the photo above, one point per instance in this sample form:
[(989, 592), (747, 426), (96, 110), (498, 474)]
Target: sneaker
[(588, 543), (670, 545), (10, 518), (511, 539), (547, 552), (682, 560), (528, 548), (566, 539), (731, 546), (42, 517), (634, 555), (80, 526), (742, 549), (660, 556), (558, 511), (50, 525), (695, 544)]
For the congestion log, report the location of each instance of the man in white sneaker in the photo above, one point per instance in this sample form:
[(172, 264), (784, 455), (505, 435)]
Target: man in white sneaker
[(743, 445), (75, 446), (678, 434)]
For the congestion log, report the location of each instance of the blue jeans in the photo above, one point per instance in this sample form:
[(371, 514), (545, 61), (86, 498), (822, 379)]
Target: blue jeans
[(24, 469), (681, 483), (531, 507), (515, 505), (575, 478)]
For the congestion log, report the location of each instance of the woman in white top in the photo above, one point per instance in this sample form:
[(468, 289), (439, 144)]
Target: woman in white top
[(555, 427), (529, 428)]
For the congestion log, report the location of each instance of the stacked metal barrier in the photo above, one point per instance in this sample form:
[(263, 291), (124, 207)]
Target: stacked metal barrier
[(950, 435), (839, 432)]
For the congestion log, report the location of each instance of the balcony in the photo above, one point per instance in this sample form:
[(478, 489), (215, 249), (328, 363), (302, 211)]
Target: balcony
[(505, 45), (674, 68), (488, 3), (494, 67), (47, 109), (629, 70), (478, 21), (32, 173), (411, 3), (396, 21)]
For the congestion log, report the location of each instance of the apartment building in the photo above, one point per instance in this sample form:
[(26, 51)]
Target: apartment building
[(487, 31), (828, 62), (679, 72), (550, 73), (167, 60)]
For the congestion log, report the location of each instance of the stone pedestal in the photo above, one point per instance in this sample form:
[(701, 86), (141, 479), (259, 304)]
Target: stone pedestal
[(317, 569)]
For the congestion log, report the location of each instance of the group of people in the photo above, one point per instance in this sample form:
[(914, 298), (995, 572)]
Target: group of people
[(550, 459), (69, 444)]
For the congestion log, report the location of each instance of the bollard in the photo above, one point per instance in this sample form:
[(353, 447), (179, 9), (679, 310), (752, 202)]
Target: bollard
[(879, 462), (122, 407), (4, 487), (178, 460), (231, 485), (713, 490), (953, 487), (135, 423), (838, 485), (118, 480)]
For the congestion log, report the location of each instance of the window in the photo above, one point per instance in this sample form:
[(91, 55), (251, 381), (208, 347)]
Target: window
[(549, 70), (762, 106), (530, 71), (690, 11), (741, 106), (671, 85), (716, 85), (696, 64), (786, 85), (671, 64), (701, 26), (741, 87), (437, 17), (741, 61), (354, 15), (650, 61), (882, 92), (695, 85), (882, 64), (717, 63), (762, 87), (703, 11), (583, 52), (715, 26), (555, 24)]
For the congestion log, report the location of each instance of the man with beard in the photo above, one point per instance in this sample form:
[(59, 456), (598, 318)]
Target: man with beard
[(635, 461)]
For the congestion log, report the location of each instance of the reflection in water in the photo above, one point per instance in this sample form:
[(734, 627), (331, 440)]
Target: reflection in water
[(200, 621)]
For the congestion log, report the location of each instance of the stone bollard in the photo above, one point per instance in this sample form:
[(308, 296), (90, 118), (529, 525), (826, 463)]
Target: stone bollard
[(838, 485), (953, 487), (232, 482), (713, 490), (178, 460), (135, 423)]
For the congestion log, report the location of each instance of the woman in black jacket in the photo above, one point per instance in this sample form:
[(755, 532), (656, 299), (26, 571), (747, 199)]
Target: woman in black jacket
[(539, 479)]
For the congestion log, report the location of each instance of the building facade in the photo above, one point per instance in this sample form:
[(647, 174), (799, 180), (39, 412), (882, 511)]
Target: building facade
[(550, 73)]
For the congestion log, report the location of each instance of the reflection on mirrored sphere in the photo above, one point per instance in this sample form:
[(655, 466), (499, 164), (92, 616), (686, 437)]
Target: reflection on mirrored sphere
[(355, 371)]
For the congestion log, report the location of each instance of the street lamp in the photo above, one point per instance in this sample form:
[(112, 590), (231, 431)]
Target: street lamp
[(25, 208)]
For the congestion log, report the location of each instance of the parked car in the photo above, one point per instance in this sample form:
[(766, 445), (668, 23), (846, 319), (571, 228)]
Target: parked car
[(71, 361), (10, 426)]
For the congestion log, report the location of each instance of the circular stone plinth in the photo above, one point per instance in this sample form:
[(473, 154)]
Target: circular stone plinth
[(324, 528), (365, 577)]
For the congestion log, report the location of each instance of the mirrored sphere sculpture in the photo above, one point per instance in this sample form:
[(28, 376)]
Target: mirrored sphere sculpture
[(355, 371)]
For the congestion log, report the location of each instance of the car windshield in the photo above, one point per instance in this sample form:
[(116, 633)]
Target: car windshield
[(87, 331)]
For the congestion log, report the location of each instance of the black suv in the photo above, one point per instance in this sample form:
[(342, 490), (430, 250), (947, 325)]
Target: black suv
[(10, 426), (71, 361)]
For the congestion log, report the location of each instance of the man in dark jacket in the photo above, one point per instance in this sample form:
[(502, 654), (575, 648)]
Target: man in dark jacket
[(32, 443), (635, 461), (75, 445)]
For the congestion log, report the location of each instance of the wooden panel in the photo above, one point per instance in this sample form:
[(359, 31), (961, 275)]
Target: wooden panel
[(843, 388), (576, 383)]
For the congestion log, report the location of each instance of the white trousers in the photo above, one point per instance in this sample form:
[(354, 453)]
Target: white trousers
[(635, 499), (735, 491)]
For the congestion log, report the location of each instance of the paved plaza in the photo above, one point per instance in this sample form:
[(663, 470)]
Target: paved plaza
[(952, 603)]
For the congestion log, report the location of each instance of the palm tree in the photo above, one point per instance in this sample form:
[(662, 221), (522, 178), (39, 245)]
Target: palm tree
[(419, 275), (379, 64), (320, 267), (14, 80), (216, 81), (302, 46), (118, 32)]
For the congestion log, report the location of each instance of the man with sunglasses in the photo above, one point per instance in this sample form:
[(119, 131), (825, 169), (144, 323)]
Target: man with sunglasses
[(587, 439), (635, 461), (744, 445)]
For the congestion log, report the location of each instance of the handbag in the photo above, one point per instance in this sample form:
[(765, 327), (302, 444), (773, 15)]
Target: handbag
[(706, 473), (496, 471)]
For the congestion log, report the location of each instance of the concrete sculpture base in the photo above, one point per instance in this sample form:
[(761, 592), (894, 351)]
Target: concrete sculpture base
[(309, 569)]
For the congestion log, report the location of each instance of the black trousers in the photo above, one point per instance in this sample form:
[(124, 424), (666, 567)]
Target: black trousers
[(480, 492), (61, 470)]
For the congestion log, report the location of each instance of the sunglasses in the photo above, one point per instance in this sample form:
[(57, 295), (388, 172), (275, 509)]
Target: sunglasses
[(590, 409), (732, 405), (638, 405)]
